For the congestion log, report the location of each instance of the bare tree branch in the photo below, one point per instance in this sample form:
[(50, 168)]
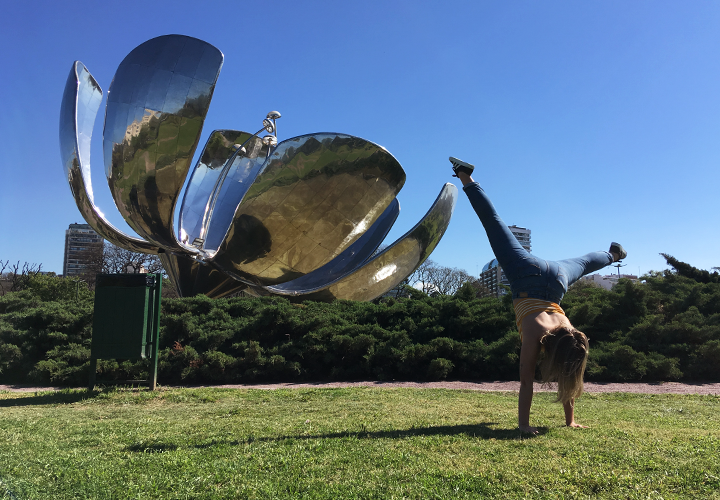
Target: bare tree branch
[(434, 279), (119, 260), (421, 277), (17, 276)]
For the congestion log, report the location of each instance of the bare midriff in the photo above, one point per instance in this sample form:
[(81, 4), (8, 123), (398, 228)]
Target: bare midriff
[(536, 316)]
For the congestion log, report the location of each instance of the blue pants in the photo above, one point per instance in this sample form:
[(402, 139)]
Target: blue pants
[(530, 276)]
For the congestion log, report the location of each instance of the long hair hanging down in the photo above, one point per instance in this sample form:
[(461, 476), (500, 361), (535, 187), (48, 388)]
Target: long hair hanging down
[(566, 353)]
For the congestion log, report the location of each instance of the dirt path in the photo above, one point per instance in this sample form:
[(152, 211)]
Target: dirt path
[(590, 387)]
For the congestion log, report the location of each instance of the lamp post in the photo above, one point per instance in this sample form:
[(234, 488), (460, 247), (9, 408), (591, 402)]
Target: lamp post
[(618, 265), (77, 288)]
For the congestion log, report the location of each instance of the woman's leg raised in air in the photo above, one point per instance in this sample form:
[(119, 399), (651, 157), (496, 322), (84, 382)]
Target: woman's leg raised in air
[(574, 269), (504, 244)]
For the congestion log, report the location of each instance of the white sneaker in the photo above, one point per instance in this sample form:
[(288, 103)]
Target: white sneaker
[(461, 166)]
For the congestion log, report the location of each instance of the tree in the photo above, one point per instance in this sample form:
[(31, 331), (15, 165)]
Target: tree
[(448, 280), (434, 279), (113, 260), (480, 289), (119, 260), (421, 276), (14, 277), (466, 292), (699, 275)]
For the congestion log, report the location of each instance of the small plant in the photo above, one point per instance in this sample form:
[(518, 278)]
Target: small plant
[(440, 369)]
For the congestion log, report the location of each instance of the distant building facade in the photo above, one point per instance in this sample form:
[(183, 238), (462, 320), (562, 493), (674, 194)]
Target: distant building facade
[(492, 276), (523, 236), (609, 280), (83, 247)]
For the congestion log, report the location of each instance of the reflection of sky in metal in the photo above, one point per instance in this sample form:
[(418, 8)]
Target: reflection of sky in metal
[(89, 98), (240, 175), (217, 185), (156, 106), (80, 104), (210, 170), (302, 218), (306, 203), (385, 272)]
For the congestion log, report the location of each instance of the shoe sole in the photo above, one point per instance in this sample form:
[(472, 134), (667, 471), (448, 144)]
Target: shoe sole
[(459, 163)]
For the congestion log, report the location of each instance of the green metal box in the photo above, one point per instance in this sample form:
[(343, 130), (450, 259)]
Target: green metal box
[(126, 319)]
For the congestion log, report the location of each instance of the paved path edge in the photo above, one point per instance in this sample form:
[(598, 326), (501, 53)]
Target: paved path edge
[(702, 388)]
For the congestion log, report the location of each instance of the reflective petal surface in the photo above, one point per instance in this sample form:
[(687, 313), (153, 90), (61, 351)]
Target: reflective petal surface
[(191, 277), (156, 108), (80, 104), (217, 185), (397, 262), (314, 197), (348, 261), (303, 219)]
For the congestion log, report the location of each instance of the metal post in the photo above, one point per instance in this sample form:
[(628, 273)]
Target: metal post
[(77, 288), (93, 374), (156, 331)]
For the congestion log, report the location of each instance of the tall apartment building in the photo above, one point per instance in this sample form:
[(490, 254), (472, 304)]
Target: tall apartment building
[(522, 235), (82, 246), (492, 275)]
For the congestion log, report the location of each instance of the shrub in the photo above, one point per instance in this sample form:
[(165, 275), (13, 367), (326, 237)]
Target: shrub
[(705, 364), (439, 369), (665, 329)]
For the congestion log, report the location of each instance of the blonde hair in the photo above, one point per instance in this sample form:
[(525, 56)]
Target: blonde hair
[(566, 353)]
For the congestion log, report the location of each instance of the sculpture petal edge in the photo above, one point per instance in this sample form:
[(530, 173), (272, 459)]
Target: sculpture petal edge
[(77, 117)]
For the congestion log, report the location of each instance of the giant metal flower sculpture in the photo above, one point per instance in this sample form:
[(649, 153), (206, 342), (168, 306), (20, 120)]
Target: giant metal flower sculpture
[(301, 218)]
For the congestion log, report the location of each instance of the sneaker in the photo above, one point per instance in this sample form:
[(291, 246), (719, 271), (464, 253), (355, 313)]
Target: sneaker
[(618, 249), (461, 166)]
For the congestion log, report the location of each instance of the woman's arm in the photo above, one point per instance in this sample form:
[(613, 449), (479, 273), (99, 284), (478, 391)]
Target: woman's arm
[(528, 358), (569, 408)]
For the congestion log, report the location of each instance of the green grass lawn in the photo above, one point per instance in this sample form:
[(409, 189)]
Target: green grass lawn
[(353, 443)]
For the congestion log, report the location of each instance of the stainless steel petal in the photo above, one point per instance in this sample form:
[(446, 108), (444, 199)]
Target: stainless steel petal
[(314, 197), (191, 277), (156, 108), (216, 187), (348, 261), (80, 104), (397, 262)]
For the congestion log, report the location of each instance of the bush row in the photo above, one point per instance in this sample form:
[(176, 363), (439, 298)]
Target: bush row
[(667, 328)]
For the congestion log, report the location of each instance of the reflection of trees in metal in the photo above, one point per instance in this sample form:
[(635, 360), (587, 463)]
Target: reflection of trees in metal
[(300, 218), (110, 259)]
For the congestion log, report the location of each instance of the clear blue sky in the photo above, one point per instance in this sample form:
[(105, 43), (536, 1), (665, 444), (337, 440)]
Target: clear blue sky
[(588, 121)]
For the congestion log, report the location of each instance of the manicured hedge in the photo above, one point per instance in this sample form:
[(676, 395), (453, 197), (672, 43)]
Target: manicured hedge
[(665, 329)]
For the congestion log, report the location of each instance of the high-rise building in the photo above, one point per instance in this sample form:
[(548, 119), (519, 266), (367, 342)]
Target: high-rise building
[(83, 248), (492, 275), (522, 235)]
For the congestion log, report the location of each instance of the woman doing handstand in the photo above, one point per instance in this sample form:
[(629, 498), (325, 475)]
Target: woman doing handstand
[(537, 287)]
